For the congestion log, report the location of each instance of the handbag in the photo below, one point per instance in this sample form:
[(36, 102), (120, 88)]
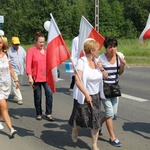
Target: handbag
[(112, 89)]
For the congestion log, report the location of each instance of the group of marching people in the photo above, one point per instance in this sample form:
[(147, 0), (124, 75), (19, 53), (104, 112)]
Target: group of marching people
[(87, 86), (12, 65)]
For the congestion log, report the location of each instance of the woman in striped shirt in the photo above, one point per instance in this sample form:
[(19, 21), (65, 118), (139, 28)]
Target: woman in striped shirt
[(109, 63)]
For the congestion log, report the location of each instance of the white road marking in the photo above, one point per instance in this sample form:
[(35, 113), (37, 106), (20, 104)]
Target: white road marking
[(59, 79), (134, 98)]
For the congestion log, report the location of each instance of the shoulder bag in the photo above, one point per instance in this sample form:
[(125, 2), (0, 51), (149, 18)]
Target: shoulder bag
[(112, 89)]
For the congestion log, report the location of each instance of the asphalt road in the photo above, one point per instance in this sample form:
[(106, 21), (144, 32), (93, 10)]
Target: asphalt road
[(132, 126)]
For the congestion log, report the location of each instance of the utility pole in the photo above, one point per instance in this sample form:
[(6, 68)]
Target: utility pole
[(97, 15)]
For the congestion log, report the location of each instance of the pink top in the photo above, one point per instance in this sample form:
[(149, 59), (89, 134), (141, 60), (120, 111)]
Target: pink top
[(36, 64)]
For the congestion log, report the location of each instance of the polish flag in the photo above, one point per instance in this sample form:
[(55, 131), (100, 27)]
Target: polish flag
[(88, 31), (57, 52), (146, 32)]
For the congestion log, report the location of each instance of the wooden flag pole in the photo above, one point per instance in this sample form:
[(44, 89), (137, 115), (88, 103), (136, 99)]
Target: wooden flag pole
[(79, 78)]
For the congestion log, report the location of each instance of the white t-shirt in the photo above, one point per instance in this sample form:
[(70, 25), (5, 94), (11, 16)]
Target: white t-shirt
[(93, 77)]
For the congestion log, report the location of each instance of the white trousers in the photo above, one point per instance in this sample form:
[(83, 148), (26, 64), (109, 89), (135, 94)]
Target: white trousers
[(17, 92)]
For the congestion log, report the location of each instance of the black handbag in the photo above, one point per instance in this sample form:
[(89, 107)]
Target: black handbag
[(112, 89)]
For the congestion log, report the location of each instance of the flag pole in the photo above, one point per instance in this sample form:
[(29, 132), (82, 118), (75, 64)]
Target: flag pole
[(122, 62), (75, 69)]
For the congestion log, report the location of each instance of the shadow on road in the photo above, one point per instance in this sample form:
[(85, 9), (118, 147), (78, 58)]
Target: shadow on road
[(62, 139), (64, 90), (21, 112), (137, 128)]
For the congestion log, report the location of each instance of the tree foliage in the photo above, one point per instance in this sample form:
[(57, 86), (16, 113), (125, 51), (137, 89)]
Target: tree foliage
[(122, 19)]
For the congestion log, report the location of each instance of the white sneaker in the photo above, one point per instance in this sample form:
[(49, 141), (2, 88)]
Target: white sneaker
[(12, 132), (1, 126), (20, 102)]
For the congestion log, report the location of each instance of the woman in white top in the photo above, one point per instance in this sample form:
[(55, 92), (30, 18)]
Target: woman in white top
[(88, 92), (5, 85)]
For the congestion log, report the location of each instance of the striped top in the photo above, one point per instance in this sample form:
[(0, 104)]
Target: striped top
[(110, 68)]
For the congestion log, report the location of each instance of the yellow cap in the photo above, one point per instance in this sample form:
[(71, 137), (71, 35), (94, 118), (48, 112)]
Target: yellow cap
[(15, 40)]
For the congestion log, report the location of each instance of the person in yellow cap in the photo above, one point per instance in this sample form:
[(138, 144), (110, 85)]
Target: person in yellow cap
[(15, 40), (17, 56)]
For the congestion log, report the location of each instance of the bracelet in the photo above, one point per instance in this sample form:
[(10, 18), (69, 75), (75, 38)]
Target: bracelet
[(15, 80)]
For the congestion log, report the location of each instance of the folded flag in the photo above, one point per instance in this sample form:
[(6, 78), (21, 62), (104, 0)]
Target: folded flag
[(69, 67)]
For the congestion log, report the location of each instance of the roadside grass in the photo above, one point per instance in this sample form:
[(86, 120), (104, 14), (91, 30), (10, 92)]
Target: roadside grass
[(135, 53)]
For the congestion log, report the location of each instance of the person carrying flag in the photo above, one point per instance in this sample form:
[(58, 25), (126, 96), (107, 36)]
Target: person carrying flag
[(87, 92)]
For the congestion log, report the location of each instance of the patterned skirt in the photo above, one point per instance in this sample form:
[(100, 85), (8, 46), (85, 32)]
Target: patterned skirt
[(84, 116)]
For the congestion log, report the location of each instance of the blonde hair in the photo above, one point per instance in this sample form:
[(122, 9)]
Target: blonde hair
[(5, 44), (90, 45)]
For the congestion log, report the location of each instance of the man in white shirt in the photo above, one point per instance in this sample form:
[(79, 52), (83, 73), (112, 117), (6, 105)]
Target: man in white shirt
[(17, 57)]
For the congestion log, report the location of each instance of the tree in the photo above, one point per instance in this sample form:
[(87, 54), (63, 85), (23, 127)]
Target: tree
[(137, 11), (122, 19)]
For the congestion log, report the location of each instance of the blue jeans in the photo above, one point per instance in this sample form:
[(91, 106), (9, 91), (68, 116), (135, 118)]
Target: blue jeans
[(110, 106), (38, 98)]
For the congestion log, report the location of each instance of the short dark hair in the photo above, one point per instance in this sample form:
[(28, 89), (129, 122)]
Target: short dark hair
[(110, 41)]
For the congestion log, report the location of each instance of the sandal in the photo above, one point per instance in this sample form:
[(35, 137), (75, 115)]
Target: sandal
[(49, 118), (38, 117)]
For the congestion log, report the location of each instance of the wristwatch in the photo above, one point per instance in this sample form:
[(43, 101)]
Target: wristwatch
[(15, 80)]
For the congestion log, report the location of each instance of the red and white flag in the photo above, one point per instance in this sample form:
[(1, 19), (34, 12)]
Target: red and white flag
[(57, 52), (88, 31), (146, 32)]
